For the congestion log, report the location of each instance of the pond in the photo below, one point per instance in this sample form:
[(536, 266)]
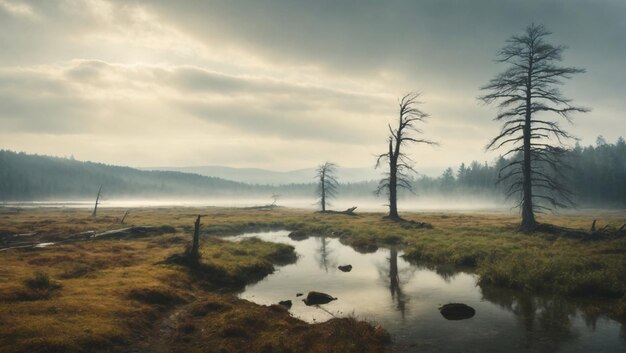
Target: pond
[(404, 298)]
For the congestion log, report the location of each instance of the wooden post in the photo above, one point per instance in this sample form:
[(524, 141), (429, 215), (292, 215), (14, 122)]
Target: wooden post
[(95, 207), (196, 239), (124, 217)]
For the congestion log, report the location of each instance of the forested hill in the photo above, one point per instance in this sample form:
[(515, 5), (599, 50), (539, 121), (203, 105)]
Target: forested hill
[(597, 178), (34, 177)]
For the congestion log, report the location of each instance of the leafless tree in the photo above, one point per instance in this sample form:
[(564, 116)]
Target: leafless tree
[(327, 184), (527, 94), (398, 162), (275, 198), (95, 207)]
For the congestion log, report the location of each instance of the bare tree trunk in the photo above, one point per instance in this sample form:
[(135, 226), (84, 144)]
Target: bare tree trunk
[(196, 240), (95, 207), (323, 191), (393, 183), (528, 216)]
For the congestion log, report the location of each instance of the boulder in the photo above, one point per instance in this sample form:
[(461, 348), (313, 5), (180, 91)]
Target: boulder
[(286, 303), (457, 311), (345, 268), (298, 235), (316, 298)]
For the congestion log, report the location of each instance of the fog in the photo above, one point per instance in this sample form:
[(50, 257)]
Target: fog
[(363, 204)]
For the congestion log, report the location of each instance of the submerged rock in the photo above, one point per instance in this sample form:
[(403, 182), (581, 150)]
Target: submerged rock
[(286, 303), (345, 268), (457, 311), (316, 298), (299, 294), (298, 235)]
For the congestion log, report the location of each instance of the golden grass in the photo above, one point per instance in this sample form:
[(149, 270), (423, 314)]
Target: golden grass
[(114, 293)]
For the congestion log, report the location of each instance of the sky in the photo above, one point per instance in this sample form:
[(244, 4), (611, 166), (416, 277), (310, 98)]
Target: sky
[(281, 84)]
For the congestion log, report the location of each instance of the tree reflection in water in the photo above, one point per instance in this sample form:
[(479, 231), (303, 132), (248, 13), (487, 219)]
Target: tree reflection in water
[(325, 259), (547, 321), (396, 278)]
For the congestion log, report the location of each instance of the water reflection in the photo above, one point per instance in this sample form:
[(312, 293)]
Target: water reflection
[(403, 297), (390, 273), (324, 254), (546, 321)]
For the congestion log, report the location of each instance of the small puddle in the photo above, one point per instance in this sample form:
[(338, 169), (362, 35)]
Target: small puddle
[(404, 298)]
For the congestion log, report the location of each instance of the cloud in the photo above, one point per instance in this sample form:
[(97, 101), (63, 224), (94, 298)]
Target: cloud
[(18, 9), (88, 96), (279, 82)]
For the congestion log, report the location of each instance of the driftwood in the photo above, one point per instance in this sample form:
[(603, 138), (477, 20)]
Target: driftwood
[(594, 232), (262, 208), (604, 232), (129, 232), (139, 231), (349, 211)]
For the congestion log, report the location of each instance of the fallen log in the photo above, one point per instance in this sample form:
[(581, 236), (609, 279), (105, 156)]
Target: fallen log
[(138, 231), (348, 212)]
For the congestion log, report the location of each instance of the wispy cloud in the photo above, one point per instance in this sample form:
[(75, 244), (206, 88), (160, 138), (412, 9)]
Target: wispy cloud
[(279, 83)]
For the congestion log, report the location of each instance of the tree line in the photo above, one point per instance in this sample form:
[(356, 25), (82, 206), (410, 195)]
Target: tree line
[(597, 173)]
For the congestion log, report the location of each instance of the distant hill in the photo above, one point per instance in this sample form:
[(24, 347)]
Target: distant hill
[(34, 177), (270, 177)]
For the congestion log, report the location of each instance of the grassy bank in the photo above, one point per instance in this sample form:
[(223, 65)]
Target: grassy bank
[(117, 295), (486, 243)]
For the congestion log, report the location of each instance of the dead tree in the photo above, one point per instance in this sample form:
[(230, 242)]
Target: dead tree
[(193, 254), (399, 163), (526, 93), (275, 198), (124, 217), (327, 184), (95, 207)]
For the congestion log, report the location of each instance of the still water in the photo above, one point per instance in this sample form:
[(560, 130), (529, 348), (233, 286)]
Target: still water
[(383, 288)]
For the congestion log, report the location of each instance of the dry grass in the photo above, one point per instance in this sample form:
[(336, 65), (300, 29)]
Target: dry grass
[(113, 292), (110, 295), (217, 325)]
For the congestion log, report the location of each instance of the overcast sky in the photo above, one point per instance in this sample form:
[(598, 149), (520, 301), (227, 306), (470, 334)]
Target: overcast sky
[(282, 84)]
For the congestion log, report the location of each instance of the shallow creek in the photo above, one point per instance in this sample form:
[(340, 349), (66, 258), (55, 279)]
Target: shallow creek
[(404, 298)]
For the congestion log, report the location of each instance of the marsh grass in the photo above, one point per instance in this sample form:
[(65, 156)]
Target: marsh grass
[(114, 291), (244, 327)]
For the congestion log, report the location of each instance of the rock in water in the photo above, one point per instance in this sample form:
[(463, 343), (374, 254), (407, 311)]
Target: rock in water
[(457, 311), (298, 235), (345, 268), (299, 294), (316, 298), (286, 303)]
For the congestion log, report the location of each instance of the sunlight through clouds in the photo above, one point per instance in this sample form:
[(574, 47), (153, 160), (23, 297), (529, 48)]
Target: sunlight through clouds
[(288, 74)]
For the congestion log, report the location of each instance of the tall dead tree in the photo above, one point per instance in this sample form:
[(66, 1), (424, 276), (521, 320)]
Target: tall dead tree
[(527, 94), (95, 207), (399, 163), (327, 184)]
